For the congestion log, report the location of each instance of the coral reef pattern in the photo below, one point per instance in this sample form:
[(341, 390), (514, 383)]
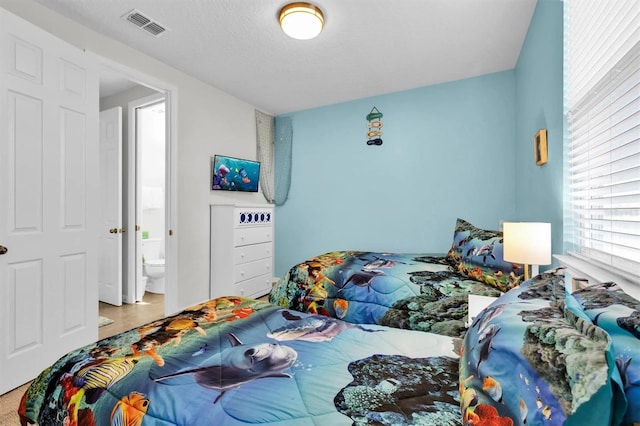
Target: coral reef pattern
[(617, 312), (410, 291), (535, 361), (233, 361), (393, 389)]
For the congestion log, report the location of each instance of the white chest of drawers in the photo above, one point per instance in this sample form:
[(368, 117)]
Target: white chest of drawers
[(241, 250)]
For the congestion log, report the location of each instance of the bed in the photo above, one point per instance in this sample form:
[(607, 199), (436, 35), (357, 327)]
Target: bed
[(235, 361), (541, 355), (417, 291), (362, 338), (532, 357)]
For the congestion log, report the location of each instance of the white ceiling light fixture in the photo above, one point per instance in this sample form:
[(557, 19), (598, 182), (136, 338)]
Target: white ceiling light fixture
[(302, 21)]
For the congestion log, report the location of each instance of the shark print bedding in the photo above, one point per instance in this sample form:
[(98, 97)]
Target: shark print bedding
[(233, 361), (410, 291)]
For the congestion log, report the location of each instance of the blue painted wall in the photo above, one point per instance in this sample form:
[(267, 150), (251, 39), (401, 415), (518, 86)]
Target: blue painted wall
[(448, 152), (460, 149), (539, 105)]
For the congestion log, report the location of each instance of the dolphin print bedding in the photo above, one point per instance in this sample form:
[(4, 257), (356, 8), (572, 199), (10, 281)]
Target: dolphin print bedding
[(233, 361), (534, 358), (410, 291), (618, 313)]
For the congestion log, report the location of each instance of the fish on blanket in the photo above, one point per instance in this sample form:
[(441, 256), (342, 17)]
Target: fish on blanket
[(312, 328), (96, 378), (241, 364)]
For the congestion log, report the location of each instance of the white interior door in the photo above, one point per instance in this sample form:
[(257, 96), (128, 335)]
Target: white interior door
[(111, 230), (135, 191), (49, 203)]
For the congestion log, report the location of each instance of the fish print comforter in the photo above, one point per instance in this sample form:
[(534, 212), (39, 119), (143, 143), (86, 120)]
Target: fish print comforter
[(233, 361), (410, 291), (618, 313), (534, 358)]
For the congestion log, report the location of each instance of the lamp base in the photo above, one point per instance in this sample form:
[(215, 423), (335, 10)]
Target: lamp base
[(530, 271)]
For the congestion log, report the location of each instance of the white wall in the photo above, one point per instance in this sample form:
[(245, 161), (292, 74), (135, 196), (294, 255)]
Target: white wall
[(209, 122)]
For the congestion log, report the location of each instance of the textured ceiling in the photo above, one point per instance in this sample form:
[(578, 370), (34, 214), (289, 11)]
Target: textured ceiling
[(368, 47)]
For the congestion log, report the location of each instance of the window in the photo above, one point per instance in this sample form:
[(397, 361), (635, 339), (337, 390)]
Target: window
[(602, 61)]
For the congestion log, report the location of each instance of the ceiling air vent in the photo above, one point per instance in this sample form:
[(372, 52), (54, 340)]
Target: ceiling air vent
[(144, 23)]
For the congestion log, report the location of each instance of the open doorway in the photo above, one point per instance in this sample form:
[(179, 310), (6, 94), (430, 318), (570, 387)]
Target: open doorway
[(117, 89), (146, 127)]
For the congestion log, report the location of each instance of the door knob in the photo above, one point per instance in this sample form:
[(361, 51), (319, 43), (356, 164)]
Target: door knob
[(113, 230), (3, 250)]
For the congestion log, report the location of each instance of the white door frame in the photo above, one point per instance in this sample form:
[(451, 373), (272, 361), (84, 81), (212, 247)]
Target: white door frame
[(170, 93)]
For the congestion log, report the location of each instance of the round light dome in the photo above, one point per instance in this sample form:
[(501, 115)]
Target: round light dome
[(301, 21)]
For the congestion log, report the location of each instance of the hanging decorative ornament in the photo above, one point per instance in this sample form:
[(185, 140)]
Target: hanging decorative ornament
[(374, 127)]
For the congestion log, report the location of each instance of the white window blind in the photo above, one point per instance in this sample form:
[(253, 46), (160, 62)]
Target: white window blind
[(603, 101)]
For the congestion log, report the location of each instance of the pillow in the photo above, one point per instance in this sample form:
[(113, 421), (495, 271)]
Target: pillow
[(477, 254), (618, 313), (528, 359)]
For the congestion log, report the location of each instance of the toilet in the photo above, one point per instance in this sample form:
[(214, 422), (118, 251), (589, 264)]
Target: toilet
[(153, 266)]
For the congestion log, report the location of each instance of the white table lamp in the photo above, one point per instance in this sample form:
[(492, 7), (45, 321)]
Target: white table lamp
[(527, 243)]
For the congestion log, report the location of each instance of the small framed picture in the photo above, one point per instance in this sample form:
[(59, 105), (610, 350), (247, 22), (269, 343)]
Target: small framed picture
[(540, 147)]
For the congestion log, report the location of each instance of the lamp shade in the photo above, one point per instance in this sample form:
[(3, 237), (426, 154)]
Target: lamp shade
[(301, 21), (527, 242)]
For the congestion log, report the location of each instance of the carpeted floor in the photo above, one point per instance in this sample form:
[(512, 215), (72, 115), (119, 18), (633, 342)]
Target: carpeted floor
[(8, 406)]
